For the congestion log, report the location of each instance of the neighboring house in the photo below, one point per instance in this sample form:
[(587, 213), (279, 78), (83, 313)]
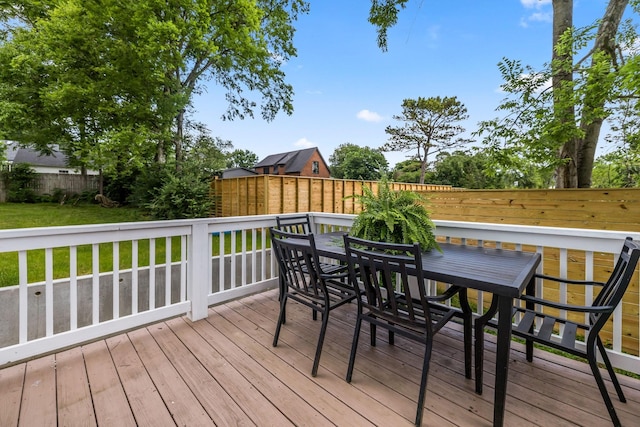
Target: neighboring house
[(237, 172), (307, 162), (55, 163)]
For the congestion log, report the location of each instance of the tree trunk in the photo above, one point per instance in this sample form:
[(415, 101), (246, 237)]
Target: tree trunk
[(566, 174), (590, 123), (178, 139)]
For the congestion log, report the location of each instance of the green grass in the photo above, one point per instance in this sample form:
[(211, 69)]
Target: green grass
[(46, 215), (27, 215)]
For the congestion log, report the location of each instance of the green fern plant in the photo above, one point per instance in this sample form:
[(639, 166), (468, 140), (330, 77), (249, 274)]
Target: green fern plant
[(394, 217)]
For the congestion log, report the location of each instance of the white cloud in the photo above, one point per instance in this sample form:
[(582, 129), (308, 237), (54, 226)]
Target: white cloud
[(541, 17), (537, 4), (304, 143), (369, 116), (434, 32)]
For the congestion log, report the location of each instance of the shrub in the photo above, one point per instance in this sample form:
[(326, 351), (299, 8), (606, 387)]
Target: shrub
[(182, 196), (19, 182)]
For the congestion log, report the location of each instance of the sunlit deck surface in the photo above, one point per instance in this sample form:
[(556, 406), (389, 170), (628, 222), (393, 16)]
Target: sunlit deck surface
[(224, 371)]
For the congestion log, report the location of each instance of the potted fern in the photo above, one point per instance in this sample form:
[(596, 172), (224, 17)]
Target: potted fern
[(394, 217)]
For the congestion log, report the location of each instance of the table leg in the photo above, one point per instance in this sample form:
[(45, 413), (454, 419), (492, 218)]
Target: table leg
[(479, 325), (502, 358)]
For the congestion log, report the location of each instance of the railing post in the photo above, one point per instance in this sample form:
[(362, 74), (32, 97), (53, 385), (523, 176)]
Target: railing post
[(198, 282)]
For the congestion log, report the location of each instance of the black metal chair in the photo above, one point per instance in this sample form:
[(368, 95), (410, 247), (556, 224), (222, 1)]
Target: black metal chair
[(301, 224), (539, 321), (393, 298), (305, 282)]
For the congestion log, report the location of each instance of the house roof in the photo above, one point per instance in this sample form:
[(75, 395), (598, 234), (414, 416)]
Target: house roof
[(237, 172), (17, 154), (293, 161)]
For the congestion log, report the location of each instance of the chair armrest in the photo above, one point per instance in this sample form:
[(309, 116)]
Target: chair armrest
[(450, 292), (568, 307), (571, 281)]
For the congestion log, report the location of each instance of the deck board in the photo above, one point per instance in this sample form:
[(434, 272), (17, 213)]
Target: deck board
[(12, 383), (109, 399), (223, 370), (73, 392)]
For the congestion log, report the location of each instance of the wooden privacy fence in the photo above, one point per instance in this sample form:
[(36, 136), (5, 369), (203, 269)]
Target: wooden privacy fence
[(275, 194), (48, 183), (603, 209)]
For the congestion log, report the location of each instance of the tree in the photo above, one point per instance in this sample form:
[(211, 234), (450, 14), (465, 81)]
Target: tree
[(617, 170), (567, 119), (76, 71), (430, 126), (407, 171), (350, 161), (242, 159)]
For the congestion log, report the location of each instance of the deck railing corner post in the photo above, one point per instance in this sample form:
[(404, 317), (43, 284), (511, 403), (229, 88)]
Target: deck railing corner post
[(198, 282)]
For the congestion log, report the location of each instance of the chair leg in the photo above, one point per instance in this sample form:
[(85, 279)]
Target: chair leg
[(612, 373), (591, 357), (529, 350), (281, 319), (354, 348), (479, 354), (423, 382), (323, 330), (373, 335)]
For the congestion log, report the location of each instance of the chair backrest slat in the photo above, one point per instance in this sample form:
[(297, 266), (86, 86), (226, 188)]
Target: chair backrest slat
[(388, 273), (300, 224), (298, 262), (613, 291)]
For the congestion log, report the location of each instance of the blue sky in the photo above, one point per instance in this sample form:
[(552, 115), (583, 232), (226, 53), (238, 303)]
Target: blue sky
[(347, 89)]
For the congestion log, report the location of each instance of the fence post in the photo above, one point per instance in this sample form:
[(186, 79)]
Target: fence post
[(198, 282)]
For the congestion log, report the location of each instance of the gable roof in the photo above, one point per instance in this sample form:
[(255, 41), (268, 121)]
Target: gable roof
[(293, 161), (17, 154), (237, 172)]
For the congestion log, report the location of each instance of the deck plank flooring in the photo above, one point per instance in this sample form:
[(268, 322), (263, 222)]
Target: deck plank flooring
[(223, 371)]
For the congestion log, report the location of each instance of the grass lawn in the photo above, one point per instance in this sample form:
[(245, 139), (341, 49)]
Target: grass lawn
[(14, 215), (26, 215)]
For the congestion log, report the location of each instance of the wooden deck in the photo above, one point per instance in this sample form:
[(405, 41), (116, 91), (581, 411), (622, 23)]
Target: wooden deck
[(224, 371)]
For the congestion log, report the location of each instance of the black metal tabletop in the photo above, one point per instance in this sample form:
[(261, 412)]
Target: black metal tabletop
[(499, 271)]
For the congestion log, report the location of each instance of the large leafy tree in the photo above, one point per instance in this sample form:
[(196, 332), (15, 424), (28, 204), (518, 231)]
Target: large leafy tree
[(407, 171), (560, 126), (430, 125), (76, 72), (242, 159), (350, 161)]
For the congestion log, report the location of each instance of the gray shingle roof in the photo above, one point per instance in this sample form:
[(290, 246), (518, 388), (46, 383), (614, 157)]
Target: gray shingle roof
[(17, 154), (293, 161)]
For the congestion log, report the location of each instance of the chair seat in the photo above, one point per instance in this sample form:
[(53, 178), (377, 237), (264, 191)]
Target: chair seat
[(553, 332)]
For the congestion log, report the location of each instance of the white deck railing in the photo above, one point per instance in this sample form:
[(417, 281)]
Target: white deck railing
[(44, 314)]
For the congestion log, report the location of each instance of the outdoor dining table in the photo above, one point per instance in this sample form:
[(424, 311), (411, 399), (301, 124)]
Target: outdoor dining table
[(504, 273)]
